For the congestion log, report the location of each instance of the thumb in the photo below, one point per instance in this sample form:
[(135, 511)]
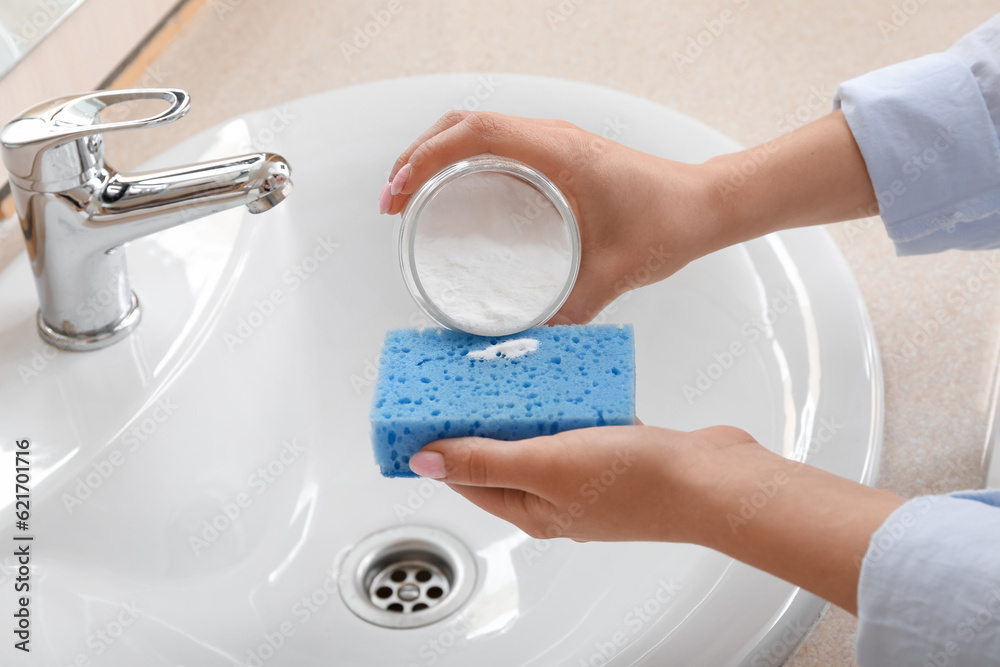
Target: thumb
[(474, 461)]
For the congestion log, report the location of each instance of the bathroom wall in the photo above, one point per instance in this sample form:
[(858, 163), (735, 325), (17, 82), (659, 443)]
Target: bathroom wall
[(79, 54)]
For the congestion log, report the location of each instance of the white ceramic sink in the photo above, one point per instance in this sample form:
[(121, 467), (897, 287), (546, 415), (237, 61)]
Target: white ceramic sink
[(242, 400)]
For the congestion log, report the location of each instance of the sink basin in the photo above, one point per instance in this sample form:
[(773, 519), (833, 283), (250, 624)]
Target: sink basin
[(198, 490)]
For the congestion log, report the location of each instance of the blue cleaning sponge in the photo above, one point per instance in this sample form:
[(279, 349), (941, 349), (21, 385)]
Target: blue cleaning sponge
[(428, 388)]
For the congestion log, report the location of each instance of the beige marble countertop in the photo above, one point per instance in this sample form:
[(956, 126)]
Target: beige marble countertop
[(775, 56)]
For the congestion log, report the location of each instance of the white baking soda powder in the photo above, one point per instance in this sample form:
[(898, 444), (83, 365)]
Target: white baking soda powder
[(509, 349), (492, 253)]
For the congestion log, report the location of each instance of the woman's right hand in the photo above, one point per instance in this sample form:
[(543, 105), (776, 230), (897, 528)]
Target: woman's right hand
[(641, 217)]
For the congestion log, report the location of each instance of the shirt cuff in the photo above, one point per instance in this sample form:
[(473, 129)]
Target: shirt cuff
[(932, 152), (929, 591)]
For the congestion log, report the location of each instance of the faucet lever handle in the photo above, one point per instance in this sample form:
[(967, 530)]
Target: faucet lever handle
[(57, 143)]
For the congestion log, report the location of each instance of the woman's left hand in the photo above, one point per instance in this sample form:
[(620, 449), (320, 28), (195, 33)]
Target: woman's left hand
[(716, 487)]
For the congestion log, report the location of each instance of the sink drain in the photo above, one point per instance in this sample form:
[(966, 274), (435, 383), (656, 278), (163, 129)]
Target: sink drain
[(407, 577), (409, 586)]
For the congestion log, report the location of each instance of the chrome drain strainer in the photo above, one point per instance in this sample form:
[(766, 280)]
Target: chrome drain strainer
[(409, 586), (407, 577)]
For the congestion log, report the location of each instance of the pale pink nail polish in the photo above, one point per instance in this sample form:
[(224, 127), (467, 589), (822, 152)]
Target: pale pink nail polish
[(428, 464), (399, 182), (384, 199)]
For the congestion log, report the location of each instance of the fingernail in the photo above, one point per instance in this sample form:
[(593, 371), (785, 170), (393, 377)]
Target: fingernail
[(384, 199), (428, 464), (399, 182)]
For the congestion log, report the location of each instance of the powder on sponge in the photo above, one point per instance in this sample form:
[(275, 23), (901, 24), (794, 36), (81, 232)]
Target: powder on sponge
[(430, 387), (509, 349)]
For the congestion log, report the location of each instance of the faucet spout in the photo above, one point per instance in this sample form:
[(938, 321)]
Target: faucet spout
[(77, 214), (137, 205)]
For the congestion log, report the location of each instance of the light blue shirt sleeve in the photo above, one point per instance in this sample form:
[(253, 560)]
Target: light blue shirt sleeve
[(929, 132), (929, 592)]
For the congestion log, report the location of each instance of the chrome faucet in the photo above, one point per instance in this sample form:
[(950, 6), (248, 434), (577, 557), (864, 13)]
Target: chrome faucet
[(77, 213)]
